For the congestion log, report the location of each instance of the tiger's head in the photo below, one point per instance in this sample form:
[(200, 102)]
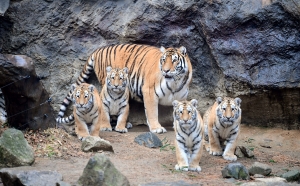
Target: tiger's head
[(116, 79), (185, 112), (173, 62), (83, 95), (228, 110)]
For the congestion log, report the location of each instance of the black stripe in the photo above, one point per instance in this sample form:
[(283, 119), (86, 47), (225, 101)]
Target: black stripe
[(94, 112), (186, 77), (182, 142), (105, 104), (125, 100), (161, 87), (222, 125), (169, 87)]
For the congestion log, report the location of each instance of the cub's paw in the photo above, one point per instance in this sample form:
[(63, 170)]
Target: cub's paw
[(183, 168), (207, 147), (196, 169), (159, 130), (215, 153), (230, 157), (129, 125), (121, 130), (106, 129)]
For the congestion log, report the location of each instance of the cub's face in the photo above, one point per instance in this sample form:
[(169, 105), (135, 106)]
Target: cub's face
[(228, 109), (82, 95), (185, 112), (173, 63), (117, 79)]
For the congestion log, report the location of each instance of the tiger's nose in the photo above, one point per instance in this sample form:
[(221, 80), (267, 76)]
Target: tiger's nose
[(166, 71)]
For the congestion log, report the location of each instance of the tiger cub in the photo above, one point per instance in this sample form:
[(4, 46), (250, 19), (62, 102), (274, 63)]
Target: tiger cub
[(222, 127), (188, 127), (115, 99), (86, 110)]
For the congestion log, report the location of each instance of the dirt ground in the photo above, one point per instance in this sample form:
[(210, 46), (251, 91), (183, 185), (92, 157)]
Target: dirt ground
[(58, 151)]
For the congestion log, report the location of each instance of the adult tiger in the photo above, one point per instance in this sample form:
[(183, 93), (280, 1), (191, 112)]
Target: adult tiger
[(189, 128), (222, 126), (157, 76), (86, 110)]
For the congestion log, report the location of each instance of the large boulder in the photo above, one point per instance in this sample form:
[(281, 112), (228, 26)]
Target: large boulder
[(245, 48), (27, 101), (101, 171), (14, 149)]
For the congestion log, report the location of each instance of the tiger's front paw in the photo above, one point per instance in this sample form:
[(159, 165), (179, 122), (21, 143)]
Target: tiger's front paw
[(159, 130), (183, 168), (230, 157), (216, 152), (121, 130), (196, 169), (109, 129)]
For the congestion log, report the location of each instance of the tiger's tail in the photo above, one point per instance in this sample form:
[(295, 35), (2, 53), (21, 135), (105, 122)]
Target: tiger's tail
[(84, 76), (65, 120)]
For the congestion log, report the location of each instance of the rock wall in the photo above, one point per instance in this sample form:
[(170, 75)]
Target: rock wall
[(245, 48)]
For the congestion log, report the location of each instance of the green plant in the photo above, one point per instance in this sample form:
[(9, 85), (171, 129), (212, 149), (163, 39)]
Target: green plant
[(272, 161), (166, 145)]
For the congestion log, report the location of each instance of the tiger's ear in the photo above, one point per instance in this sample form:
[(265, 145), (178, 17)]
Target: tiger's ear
[(108, 68), (219, 100), (175, 103), (92, 88), (162, 49), (125, 69), (238, 101), (182, 50), (194, 102), (73, 86)]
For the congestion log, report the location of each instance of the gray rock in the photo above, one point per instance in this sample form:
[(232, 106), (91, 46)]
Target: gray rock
[(235, 170), (14, 149), (260, 168), (247, 152), (293, 175), (94, 144), (13, 176), (100, 171), (148, 139), (271, 180), (238, 152)]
